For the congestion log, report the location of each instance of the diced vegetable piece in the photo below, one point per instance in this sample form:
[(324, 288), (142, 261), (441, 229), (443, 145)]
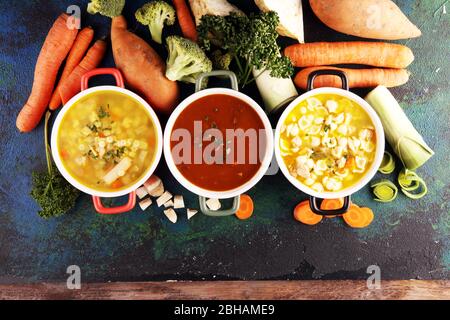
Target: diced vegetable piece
[(213, 204), (304, 214), (409, 181), (384, 191), (141, 192), (191, 213), (158, 191), (407, 143), (388, 164), (171, 215), (246, 208), (178, 202), (118, 171), (145, 204), (165, 197), (357, 217), (168, 204), (154, 186)]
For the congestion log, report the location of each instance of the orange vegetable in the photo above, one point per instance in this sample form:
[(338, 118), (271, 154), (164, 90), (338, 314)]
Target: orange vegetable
[(332, 204), (143, 69), (185, 19), (117, 184), (304, 214), (77, 53), (55, 49), (357, 217), (246, 208), (72, 85), (377, 54), (358, 78)]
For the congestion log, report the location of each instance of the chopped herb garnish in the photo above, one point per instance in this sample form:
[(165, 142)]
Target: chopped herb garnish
[(102, 113)]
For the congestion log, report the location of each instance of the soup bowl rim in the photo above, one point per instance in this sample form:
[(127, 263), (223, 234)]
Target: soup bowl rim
[(73, 181), (268, 156), (379, 150)]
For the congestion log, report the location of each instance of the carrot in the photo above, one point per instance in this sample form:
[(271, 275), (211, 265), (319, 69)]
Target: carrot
[(55, 49), (304, 214), (143, 69), (357, 217), (358, 78), (72, 85), (377, 54), (185, 19), (332, 204), (77, 53), (246, 208), (117, 184)]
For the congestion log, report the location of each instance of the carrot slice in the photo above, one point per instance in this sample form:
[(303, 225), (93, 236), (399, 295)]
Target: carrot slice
[(246, 208), (332, 204), (117, 184), (357, 217), (304, 214)]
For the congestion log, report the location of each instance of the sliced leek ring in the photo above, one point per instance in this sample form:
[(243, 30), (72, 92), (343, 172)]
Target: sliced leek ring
[(384, 191), (388, 164), (409, 181)]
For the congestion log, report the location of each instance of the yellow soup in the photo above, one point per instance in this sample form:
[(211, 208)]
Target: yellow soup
[(328, 142), (107, 141)]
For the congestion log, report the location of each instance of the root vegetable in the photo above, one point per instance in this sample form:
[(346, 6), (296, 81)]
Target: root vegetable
[(358, 78), (56, 47), (142, 67), (171, 215), (165, 197), (377, 54), (145, 204), (374, 19)]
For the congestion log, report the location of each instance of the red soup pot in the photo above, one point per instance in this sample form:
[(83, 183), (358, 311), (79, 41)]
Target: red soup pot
[(129, 190), (265, 153)]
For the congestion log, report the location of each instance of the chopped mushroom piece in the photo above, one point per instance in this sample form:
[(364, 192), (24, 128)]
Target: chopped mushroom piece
[(171, 215), (213, 204), (178, 202), (191, 213), (154, 186), (145, 204), (168, 204), (141, 192), (165, 197)]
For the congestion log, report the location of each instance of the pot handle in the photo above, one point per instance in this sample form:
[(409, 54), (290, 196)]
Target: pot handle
[(315, 207), (327, 72), (218, 73), (220, 213), (115, 210), (102, 71)]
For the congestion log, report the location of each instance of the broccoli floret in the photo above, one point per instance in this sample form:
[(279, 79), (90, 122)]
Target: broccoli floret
[(155, 15), (221, 61), (186, 60), (108, 8)]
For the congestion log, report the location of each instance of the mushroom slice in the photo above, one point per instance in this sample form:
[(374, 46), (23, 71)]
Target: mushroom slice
[(165, 197), (171, 215), (191, 213), (214, 204), (145, 204), (178, 202), (141, 192)]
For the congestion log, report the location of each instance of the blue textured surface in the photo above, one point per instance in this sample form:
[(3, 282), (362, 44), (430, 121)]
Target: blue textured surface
[(408, 239)]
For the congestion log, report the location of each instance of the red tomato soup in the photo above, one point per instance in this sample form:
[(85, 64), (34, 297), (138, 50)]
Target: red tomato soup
[(220, 113)]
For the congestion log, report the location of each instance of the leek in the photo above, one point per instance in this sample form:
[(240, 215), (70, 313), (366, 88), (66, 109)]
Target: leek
[(388, 164), (409, 181), (384, 191), (407, 143)]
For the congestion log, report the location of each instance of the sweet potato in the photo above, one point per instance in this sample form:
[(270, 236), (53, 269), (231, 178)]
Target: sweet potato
[(374, 19), (143, 69), (357, 78)]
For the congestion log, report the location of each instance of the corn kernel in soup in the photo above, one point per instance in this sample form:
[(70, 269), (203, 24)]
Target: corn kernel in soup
[(328, 142), (107, 141)]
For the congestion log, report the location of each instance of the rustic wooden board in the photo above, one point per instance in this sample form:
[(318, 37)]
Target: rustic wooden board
[(408, 239), (234, 290)]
